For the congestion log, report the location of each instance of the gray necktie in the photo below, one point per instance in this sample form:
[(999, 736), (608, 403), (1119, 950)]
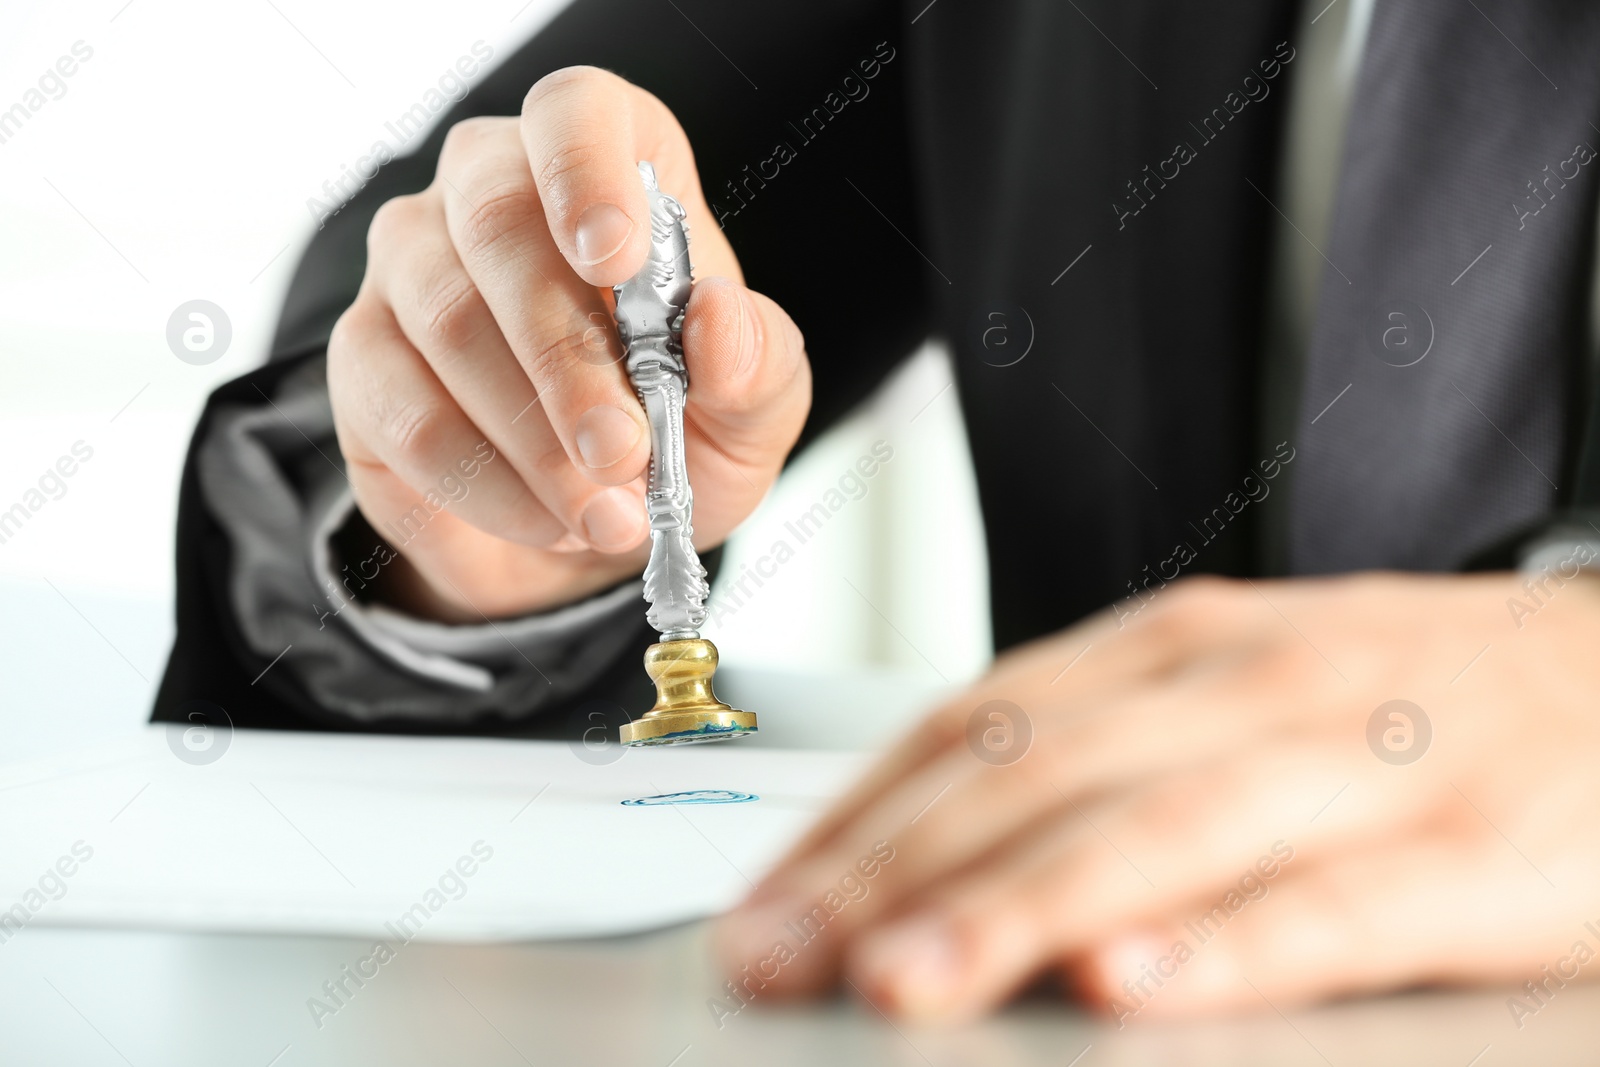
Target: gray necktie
[(1439, 384)]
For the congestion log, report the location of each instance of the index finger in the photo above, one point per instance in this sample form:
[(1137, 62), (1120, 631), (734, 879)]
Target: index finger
[(585, 131)]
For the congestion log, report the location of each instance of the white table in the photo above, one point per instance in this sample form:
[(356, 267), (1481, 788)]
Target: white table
[(148, 998), (93, 997)]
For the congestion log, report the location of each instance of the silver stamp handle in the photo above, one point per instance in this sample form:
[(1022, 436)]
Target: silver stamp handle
[(650, 308)]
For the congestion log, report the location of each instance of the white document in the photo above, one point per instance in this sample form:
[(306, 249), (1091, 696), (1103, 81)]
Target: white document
[(430, 838)]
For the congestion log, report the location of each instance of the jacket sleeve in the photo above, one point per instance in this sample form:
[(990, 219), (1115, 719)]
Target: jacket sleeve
[(787, 103)]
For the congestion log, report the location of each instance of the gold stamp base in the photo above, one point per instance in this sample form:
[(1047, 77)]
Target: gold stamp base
[(687, 711)]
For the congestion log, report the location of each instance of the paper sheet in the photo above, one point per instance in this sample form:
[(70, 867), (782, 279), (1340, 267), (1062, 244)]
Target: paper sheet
[(427, 838)]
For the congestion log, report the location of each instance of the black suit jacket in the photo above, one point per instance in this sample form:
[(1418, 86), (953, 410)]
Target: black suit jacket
[(984, 156)]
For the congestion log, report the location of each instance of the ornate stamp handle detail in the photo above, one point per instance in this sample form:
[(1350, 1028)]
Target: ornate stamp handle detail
[(650, 308)]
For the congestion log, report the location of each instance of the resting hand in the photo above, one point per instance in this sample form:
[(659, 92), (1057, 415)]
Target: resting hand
[(1201, 776)]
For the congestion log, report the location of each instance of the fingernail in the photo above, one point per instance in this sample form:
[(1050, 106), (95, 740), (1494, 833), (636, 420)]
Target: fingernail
[(602, 231), (916, 964), (613, 520), (605, 435)]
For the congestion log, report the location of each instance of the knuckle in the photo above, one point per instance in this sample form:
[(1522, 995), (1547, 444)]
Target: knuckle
[(416, 430), (342, 343), (352, 333), (548, 463), (347, 333), (502, 213), (551, 354), (1278, 668), (464, 140), (573, 155), (531, 524), (451, 315), (348, 396), (394, 221), (1200, 601)]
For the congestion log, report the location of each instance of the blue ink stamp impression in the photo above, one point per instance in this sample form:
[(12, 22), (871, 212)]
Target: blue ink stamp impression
[(693, 796)]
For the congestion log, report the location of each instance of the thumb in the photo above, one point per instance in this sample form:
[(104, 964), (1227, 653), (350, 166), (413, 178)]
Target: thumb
[(750, 381)]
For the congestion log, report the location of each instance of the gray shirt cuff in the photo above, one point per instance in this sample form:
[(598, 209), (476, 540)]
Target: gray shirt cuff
[(274, 479)]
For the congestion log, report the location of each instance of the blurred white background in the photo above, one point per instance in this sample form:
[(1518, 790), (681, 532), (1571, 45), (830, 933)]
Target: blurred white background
[(176, 165)]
